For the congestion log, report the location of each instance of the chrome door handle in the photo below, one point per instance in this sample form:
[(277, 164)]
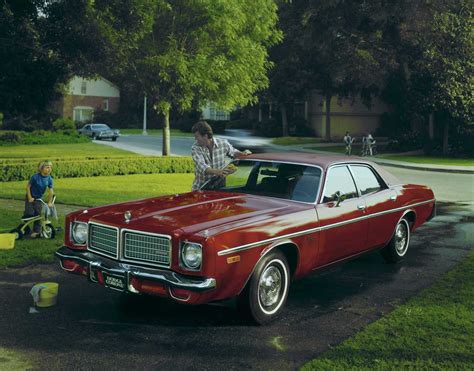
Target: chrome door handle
[(393, 198), (361, 207)]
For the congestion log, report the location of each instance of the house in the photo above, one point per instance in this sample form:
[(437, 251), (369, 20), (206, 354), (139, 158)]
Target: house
[(345, 114), (214, 113), (84, 96)]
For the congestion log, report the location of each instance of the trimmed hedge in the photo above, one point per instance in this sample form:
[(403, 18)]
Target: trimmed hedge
[(99, 167), (41, 137)]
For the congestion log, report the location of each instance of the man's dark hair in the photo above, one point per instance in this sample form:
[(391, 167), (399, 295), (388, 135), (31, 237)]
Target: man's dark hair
[(203, 128)]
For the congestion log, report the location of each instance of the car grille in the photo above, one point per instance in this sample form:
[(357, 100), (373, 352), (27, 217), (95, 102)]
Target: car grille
[(103, 240), (137, 246), (147, 248)]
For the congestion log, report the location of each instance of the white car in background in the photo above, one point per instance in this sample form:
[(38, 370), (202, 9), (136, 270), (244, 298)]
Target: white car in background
[(99, 131)]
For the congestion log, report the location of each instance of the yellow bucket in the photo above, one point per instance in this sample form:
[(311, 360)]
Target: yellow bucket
[(7, 241), (48, 296)]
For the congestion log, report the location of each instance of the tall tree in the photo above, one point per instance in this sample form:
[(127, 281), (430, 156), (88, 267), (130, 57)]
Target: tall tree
[(29, 72), (184, 54), (333, 50), (433, 43)]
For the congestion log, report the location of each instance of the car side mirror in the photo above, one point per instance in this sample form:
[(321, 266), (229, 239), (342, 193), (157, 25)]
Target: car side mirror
[(339, 197)]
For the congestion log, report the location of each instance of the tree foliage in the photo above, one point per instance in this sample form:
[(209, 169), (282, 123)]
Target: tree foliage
[(29, 71)]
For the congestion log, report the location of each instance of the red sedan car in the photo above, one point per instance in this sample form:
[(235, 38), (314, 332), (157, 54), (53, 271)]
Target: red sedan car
[(276, 218)]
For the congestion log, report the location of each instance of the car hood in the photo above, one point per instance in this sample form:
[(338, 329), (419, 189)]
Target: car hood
[(189, 212)]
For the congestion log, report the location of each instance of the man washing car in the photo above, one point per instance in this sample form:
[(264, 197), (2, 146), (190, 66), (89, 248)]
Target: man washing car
[(209, 154)]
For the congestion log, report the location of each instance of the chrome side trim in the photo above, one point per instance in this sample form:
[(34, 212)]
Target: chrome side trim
[(317, 229)]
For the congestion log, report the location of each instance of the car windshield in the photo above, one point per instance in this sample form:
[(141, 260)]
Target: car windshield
[(100, 127), (274, 179)]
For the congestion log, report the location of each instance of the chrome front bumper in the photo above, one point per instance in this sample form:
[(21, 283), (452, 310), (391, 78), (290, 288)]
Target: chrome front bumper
[(96, 263)]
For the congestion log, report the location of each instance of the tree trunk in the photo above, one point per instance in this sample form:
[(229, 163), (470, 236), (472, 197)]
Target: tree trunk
[(431, 126), (166, 133), (445, 136), (328, 116), (284, 121)]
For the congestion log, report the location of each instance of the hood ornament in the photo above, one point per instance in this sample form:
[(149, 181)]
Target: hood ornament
[(127, 215)]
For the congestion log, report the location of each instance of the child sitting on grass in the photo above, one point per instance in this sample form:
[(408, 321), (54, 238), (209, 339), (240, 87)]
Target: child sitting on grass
[(35, 190)]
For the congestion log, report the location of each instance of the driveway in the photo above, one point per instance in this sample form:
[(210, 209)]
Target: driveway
[(92, 329)]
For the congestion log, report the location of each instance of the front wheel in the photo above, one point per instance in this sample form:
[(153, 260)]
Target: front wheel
[(265, 294), (48, 232), (398, 245)]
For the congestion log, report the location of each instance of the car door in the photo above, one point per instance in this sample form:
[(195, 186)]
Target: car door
[(343, 224), (87, 130), (379, 200)]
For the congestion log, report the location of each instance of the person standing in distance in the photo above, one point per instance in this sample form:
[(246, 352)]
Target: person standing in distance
[(209, 153)]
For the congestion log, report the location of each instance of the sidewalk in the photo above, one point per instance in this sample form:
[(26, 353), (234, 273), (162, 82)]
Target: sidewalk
[(385, 162)]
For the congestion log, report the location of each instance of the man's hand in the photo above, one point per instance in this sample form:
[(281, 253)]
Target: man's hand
[(30, 199), (247, 152)]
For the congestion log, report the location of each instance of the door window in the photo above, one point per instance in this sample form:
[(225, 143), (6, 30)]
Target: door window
[(339, 179), (365, 179)]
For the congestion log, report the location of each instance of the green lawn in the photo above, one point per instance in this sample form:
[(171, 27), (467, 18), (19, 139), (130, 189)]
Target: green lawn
[(433, 331), (289, 141), (107, 189), (433, 160), (27, 251), (57, 151), (157, 132)]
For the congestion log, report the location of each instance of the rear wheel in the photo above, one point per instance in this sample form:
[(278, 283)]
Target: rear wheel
[(265, 294), (114, 139), (398, 245)]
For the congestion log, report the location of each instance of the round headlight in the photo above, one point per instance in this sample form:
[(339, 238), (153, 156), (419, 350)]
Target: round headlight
[(79, 233), (191, 255)]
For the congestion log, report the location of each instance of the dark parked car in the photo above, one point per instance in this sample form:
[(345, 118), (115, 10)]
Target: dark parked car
[(276, 218), (99, 131)]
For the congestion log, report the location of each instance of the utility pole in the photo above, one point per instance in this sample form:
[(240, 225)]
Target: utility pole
[(144, 116)]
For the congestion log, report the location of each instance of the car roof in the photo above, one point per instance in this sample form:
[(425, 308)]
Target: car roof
[(322, 160)]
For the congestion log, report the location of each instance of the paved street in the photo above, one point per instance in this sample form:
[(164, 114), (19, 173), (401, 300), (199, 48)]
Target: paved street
[(91, 329)]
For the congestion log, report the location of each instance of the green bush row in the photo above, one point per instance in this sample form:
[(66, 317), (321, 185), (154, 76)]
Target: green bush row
[(100, 167), (41, 137)]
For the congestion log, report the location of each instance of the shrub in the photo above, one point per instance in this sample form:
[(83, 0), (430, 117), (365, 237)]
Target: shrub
[(17, 171), (41, 137), (64, 124), (10, 137)]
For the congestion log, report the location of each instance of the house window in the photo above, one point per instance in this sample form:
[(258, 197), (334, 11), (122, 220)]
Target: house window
[(218, 114), (83, 87), (81, 114), (105, 105)]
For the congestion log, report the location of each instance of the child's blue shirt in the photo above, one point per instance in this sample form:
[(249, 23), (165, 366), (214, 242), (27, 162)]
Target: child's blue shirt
[(38, 184)]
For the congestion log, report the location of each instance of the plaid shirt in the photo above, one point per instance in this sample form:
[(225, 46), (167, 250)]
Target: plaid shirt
[(203, 159)]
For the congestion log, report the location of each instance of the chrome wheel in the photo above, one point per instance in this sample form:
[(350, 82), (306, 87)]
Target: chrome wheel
[(401, 237), (397, 247), (269, 286), (265, 294)]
